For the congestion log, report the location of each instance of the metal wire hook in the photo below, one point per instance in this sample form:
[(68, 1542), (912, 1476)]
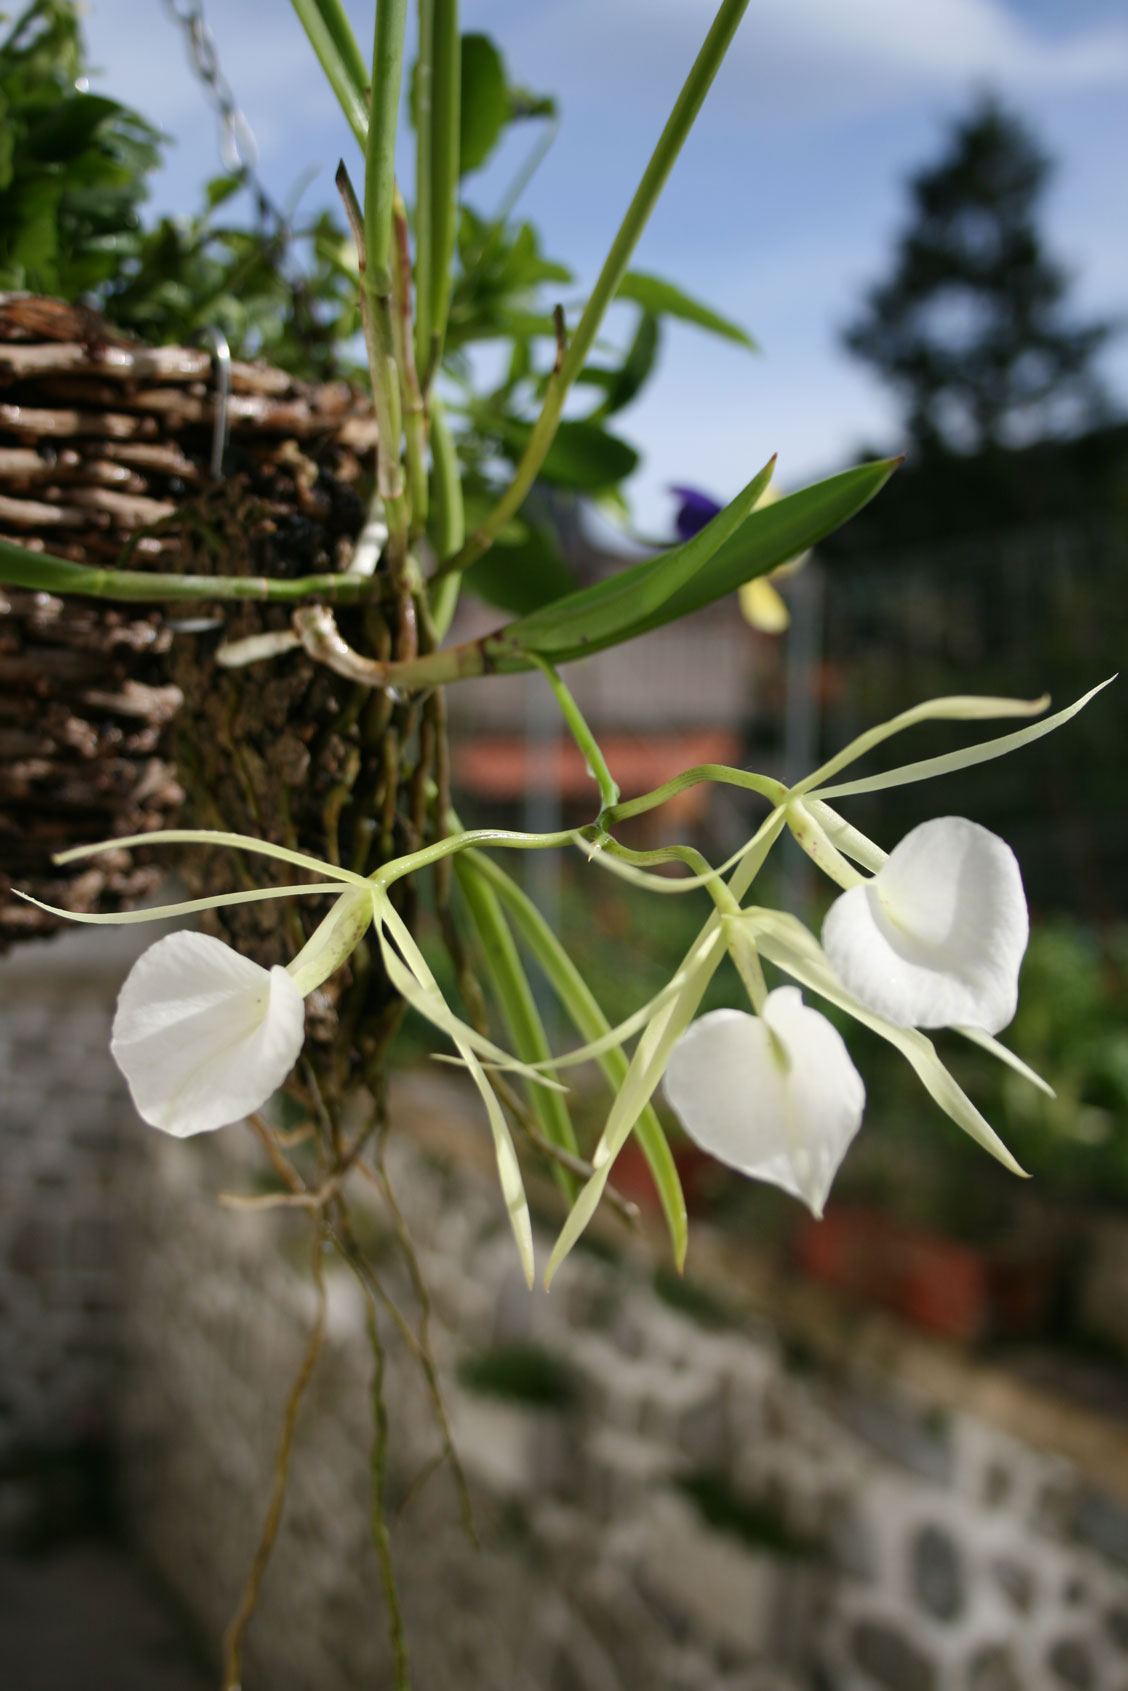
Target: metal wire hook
[(221, 419)]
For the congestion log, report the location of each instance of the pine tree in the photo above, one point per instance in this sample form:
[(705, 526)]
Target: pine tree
[(969, 327)]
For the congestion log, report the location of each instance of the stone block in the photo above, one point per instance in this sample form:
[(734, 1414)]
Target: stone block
[(914, 1437), (1101, 1521), (993, 1668), (936, 1572), (507, 1448), (885, 1650), (1071, 1663), (725, 1592)]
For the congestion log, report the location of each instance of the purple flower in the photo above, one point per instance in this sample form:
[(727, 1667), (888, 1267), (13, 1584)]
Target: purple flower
[(694, 511)]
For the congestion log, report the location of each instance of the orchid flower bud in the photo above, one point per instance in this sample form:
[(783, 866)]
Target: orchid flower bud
[(775, 1096)]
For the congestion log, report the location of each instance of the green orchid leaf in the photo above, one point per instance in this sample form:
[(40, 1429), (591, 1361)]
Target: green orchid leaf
[(663, 299), (521, 575), (519, 1007), (485, 101), (583, 456), (661, 590), (622, 384), (612, 610), (582, 1007)]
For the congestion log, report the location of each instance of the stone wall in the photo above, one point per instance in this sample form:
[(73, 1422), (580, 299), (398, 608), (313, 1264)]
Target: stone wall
[(65, 1128), (700, 1500), (703, 1508)]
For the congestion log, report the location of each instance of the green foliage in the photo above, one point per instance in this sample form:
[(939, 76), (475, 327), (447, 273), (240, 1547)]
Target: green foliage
[(969, 328), (1070, 1028), (523, 1373), (737, 545), (761, 1525), (72, 165), (73, 177), (485, 101), (523, 570), (188, 274), (662, 298), (694, 1298)]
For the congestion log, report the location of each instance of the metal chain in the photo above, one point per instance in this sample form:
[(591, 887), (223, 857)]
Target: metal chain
[(237, 145), (238, 148)]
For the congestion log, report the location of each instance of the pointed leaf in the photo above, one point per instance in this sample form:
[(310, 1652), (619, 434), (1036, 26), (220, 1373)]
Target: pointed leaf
[(485, 101), (580, 1004), (665, 300), (661, 590), (519, 1007), (595, 616)]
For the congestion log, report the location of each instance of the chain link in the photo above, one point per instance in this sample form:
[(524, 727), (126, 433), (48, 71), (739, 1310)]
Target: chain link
[(237, 145)]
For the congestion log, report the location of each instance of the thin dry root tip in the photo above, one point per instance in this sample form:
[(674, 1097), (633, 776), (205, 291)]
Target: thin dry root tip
[(256, 648), (316, 629)]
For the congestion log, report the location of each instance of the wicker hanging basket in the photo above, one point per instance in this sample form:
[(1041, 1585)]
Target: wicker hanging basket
[(105, 447)]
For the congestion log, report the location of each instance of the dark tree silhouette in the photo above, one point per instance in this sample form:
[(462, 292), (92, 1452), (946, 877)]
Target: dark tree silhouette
[(969, 328)]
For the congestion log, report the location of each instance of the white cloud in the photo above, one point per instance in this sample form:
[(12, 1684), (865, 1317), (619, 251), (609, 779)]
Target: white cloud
[(801, 57), (936, 40)]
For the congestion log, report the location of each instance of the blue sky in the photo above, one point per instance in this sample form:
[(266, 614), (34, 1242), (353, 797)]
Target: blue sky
[(781, 209)]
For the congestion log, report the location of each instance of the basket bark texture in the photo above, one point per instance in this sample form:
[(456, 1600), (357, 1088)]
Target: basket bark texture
[(105, 447)]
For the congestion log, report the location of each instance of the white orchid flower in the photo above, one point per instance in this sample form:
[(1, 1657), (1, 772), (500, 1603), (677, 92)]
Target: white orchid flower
[(205, 1036), (936, 937), (202, 1035), (775, 1096), (784, 941)]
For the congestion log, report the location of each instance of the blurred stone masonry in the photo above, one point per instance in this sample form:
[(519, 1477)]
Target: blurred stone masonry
[(696, 1508)]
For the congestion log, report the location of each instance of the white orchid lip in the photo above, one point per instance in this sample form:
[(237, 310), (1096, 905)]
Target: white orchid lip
[(775, 1096), (936, 938), (202, 1035)]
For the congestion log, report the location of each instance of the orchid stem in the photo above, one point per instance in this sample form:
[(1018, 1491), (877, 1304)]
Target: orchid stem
[(583, 736)]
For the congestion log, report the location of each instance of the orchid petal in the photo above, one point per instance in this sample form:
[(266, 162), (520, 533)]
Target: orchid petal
[(783, 940), (202, 1035), (936, 937), (949, 762), (186, 907), (775, 1096), (213, 837), (1008, 1057), (762, 606), (958, 707), (644, 1071)]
